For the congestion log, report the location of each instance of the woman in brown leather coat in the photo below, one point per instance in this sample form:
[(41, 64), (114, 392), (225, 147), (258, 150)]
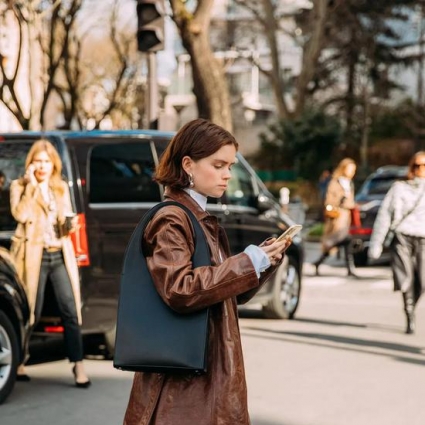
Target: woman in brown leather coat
[(196, 165)]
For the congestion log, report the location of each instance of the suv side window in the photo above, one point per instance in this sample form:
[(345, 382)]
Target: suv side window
[(121, 173), (12, 164), (12, 159), (240, 190)]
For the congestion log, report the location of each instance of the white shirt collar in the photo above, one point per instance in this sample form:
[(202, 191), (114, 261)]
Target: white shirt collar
[(200, 199), (345, 183)]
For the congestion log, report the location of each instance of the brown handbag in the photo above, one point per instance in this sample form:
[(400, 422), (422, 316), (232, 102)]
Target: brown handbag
[(331, 212)]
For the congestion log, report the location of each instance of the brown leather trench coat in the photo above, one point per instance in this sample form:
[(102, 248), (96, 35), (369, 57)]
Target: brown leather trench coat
[(337, 229), (30, 211), (220, 396)]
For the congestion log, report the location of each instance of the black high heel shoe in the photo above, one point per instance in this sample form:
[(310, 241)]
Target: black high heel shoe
[(410, 327), (319, 261), (80, 384), (23, 377)]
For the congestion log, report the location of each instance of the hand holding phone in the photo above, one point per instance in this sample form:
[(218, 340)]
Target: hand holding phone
[(71, 222), (275, 248), (290, 232), (29, 174)]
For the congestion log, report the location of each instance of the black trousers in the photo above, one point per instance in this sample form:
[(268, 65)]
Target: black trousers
[(53, 269), (408, 265), (348, 254)]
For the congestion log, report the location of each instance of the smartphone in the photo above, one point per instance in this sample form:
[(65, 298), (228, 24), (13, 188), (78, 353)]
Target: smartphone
[(290, 232)]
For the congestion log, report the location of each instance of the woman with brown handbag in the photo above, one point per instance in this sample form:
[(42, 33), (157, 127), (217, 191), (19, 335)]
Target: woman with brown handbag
[(339, 202)]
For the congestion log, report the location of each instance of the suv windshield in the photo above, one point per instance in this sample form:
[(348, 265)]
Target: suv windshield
[(377, 185), (380, 186)]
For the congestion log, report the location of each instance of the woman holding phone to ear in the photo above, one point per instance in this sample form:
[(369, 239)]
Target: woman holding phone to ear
[(42, 248)]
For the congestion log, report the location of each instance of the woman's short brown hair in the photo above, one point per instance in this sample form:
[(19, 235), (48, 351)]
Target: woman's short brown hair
[(197, 139)]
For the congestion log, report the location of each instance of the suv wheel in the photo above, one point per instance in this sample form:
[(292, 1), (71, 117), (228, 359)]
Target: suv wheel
[(286, 292), (8, 356)]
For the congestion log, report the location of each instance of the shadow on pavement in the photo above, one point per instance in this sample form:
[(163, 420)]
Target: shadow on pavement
[(351, 344), (258, 314), (251, 314), (348, 324), (359, 342)]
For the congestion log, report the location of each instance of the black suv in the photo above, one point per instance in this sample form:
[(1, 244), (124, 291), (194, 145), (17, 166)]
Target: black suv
[(369, 199), (14, 316), (110, 180)]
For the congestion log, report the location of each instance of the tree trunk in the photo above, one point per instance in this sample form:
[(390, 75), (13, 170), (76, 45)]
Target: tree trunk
[(278, 85), (266, 16), (311, 54), (350, 98), (209, 80)]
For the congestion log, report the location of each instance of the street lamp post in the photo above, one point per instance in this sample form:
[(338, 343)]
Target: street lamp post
[(150, 39), (153, 109)]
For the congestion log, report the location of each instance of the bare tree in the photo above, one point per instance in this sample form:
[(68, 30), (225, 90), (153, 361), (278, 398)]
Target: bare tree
[(55, 43), (111, 78), (43, 30), (267, 15), (209, 81), (61, 72), (9, 95)]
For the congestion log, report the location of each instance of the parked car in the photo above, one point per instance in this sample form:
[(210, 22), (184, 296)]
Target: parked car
[(369, 199), (14, 316), (110, 180)]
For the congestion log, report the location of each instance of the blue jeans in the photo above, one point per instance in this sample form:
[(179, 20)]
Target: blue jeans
[(53, 268)]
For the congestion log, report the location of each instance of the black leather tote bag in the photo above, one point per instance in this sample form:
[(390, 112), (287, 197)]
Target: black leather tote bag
[(150, 336)]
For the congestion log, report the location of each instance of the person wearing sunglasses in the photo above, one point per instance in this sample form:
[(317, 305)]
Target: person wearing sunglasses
[(402, 214)]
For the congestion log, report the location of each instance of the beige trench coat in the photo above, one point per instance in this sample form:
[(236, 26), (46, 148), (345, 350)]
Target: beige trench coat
[(30, 211), (337, 229)]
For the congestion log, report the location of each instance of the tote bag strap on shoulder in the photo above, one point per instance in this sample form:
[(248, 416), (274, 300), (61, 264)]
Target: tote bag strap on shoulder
[(201, 256), (150, 336), (394, 227)]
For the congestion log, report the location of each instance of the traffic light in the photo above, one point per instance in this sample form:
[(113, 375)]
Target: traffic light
[(150, 25)]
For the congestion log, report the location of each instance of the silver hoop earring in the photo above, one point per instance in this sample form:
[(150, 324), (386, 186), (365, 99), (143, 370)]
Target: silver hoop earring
[(191, 182)]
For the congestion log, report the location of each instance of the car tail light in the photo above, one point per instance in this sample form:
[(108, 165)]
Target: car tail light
[(360, 231), (53, 329), (79, 240)]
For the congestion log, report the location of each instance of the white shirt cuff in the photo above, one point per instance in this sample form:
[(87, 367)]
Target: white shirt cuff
[(258, 257)]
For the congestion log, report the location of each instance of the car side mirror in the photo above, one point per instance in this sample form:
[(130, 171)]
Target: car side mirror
[(265, 202)]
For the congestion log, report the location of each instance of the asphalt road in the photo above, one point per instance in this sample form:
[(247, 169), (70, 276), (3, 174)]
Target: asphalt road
[(344, 361)]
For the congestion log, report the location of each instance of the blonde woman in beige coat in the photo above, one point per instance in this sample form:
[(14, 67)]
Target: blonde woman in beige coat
[(42, 248), (339, 198)]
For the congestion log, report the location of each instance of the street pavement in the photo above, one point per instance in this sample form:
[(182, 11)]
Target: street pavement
[(344, 360)]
